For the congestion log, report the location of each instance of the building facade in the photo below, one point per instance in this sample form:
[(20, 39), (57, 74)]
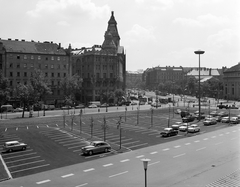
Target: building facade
[(157, 75), (19, 59), (231, 83), (101, 67)]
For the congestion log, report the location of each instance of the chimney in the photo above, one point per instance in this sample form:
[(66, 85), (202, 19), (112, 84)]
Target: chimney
[(16, 39), (9, 39), (210, 71), (59, 46)]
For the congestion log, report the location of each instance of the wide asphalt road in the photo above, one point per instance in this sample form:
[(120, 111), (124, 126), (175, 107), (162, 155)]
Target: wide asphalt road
[(193, 161)]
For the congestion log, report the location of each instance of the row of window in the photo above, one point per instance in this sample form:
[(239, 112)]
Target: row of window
[(40, 66), (26, 74), (98, 75), (38, 57), (98, 84)]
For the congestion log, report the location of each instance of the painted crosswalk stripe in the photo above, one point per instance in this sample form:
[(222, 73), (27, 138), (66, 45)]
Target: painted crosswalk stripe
[(41, 182)]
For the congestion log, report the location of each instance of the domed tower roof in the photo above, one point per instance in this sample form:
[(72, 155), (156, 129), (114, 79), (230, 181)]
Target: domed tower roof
[(108, 42), (112, 28)]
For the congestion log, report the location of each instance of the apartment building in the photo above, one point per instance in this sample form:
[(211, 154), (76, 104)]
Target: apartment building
[(19, 59)]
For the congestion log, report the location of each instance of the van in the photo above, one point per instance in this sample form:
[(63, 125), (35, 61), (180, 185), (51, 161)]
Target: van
[(6, 108)]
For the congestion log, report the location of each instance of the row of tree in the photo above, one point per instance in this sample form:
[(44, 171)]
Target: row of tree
[(39, 88)]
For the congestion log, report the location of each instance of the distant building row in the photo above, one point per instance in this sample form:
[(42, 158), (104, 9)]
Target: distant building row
[(102, 67)]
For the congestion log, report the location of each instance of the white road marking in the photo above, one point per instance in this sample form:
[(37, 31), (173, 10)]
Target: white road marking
[(82, 185), (37, 126), (201, 148), (5, 129), (213, 137), (187, 143), (57, 125), (106, 165), (179, 155), (155, 152), (153, 163), (205, 139), (227, 132), (25, 164), (218, 143), (166, 149), (220, 135), (177, 146), (126, 160), (118, 174), (129, 147), (30, 168), (41, 182), (16, 128), (196, 141), (234, 131), (87, 170), (27, 127), (68, 175), (140, 156), (47, 126), (233, 138)]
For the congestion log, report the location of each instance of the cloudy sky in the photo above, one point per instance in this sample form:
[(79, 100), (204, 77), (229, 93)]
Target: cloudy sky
[(153, 32)]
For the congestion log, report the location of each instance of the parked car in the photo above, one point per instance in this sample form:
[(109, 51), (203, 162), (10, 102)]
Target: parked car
[(154, 104), (218, 118), (96, 147), (14, 146), (221, 106), (80, 106), (184, 114), (234, 120), (17, 110), (223, 114), (187, 119), (232, 107), (197, 112), (213, 113), (169, 132), (194, 128), (225, 120), (178, 111), (92, 106), (104, 105), (183, 127), (176, 125), (210, 121)]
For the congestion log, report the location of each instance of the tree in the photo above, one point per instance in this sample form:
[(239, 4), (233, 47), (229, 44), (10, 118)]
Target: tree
[(119, 93), (40, 86), (4, 90), (71, 86), (24, 93)]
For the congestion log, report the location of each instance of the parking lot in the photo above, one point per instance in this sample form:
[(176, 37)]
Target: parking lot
[(52, 144)]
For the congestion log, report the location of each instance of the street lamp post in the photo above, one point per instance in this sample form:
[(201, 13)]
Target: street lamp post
[(145, 165), (199, 52)]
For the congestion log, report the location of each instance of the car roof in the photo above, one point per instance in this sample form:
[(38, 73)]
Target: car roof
[(10, 142), (97, 141), (168, 128)]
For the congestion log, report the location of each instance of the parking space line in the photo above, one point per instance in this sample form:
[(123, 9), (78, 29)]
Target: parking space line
[(22, 159), (140, 156), (122, 140), (30, 168), (20, 155), (179, 155), (201, 149), (166, 149), (138, 145), (26, 164), (130, 142), (126, 160), (152, 153)]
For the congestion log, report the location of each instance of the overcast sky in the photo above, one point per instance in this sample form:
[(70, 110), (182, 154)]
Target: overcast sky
[(153, 32)]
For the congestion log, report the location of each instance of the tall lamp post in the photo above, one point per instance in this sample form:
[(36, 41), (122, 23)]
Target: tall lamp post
[(199, 52), (145, 165)]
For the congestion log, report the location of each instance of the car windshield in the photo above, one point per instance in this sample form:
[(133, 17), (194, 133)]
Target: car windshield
[(93, 144)]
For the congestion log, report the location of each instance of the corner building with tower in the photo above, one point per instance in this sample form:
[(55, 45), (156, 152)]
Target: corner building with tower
[(101, 67)]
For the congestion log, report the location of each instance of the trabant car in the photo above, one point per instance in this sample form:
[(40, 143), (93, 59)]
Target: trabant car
[(14, 146)]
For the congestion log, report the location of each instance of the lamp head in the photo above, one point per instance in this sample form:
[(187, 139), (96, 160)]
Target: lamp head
[(145, 162), (199, 52)]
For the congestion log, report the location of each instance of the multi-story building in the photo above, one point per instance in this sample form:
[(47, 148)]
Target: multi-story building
[(20, 58), (133, 78), (102, 67), (157, 75), (231, 83)]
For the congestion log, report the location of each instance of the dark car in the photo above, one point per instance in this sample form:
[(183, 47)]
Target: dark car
[(184, 114), (169, 132), (188, 119), (96, 147), (221, 106)]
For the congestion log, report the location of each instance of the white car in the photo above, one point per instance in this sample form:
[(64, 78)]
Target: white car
[(225, 120), (194, 128), (176, 125), (183, 127)]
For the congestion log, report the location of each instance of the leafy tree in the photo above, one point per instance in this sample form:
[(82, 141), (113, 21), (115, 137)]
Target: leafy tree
[(24, 93), (40, 86), (71, 86), (4, 90), (119, 93)]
